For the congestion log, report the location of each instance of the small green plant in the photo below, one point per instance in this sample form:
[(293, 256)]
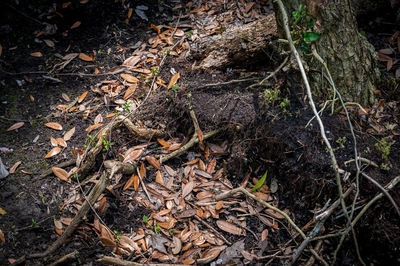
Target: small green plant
[(383, 147), (384, 166), (155, 71), (302, 28), (173, 90), (260, 182), (107, 144), (126, 107), (117, 235), (91, 139), (157, 229), (270, 96), (283, 105), (341, 142), (145, 219), (190, 33), (168, 51), (245, 37), (172, 231), (34, 224)]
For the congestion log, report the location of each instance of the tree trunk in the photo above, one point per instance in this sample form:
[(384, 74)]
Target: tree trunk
[(351, 59)]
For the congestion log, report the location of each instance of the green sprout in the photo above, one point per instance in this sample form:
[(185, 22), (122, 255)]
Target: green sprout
[(157, 229), (126, 106), (107, 144), (260, 182), (91, 139), (145, 219), (155, 71), (34, 224), (384, 148)]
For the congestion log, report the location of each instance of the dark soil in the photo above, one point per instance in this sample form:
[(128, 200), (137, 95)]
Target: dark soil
[(259, 135)]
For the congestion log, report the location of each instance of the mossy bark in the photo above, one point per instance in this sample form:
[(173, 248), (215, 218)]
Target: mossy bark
[(351, 59)]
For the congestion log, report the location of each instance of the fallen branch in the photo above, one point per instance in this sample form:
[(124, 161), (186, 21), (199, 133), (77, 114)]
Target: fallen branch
[(49, 171), (91, 199), (107, 260), (71, 256)]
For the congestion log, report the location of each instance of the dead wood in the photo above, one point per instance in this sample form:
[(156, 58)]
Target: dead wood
[(236, 46), (116, 261)]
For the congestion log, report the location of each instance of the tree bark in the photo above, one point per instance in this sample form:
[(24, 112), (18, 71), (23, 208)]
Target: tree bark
[(351, 59)]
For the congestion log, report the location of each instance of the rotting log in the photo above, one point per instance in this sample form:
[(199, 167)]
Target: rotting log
[(237, 46)]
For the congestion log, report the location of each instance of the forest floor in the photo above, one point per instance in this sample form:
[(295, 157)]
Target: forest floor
[(61, 65)]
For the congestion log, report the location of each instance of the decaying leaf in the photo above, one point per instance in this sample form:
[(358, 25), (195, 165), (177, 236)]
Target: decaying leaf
[(130, 156), (129, 78), (230, 228), (129, 92), (129, 183), (174, 79), (131, 61), (274, 214), (69, 134), (75, 25), (2, 238), (49, 43), (61, 173), (164, 143), (36, 54), (65, 97), (61, 142), (264, 234), (210, 254), (187, 189), (54, 125), (135, 182), (53, 152), (14, 167), (82, 97), (160, 178), (16, 126), (176, 245)]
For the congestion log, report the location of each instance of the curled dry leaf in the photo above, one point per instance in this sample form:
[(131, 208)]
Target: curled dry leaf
[(176, 245), (16, 126), (61, 142), (2, 238), (75, 25), (58, 227), (85, 57), (230, 228), (153, 161), (69, 134), (61, 173), (14, 167), (82, 97), (129, 183), (129, 78), (53, 152), (93, 127), (54, 125), (36, 54)]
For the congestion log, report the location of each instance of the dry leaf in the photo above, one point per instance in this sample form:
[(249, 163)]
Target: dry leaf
[(54, 125), (153, 161), (37, 54), (174, 79), (230, 228), (160, 178), (131, 61), (210, 254), (82, 97), (32, 98), (75, 25), (16, 126), (219, 205), (14, 167), (142, 171), (49, 43), (102, 205), (129, 78), (163, 143), (130, 11), (93, 127), (69, 134), (61, 173), (2, 211), (2, 238), (135, 182), (98, 119), (61, 142), (131, 89), (84, 1), (85, 57), (264, 234), (53, 152), (132, 155), (58, 227), (128, 183), (154, 27), (65, 97), (187, 189), (53, 142), (274, 214)]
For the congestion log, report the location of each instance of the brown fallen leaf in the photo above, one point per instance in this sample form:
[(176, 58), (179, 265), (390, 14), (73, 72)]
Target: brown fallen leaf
[(53, 152), (69, 134), (36, 54), (187, 189), (85, 57), (160, 178), (14, 167), (16, 126), (93, 127), (274, 214), (133, 155), (31, 98), (82, 97), (129, 183), (153, 161), (264, 234), (75, 25), (61, 173), (49, 43), (131, 61), (58, 227), (129, 92), (210, 254), (61, 142), (164, 143), (174, 79), (2, 238), (230, 228), (54, 125), (65, 97), (129, 78), (53, 142)]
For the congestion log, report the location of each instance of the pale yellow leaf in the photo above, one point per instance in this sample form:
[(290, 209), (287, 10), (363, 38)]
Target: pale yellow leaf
[(54, 125), (16, 126), (53, 152), (2, 211)]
